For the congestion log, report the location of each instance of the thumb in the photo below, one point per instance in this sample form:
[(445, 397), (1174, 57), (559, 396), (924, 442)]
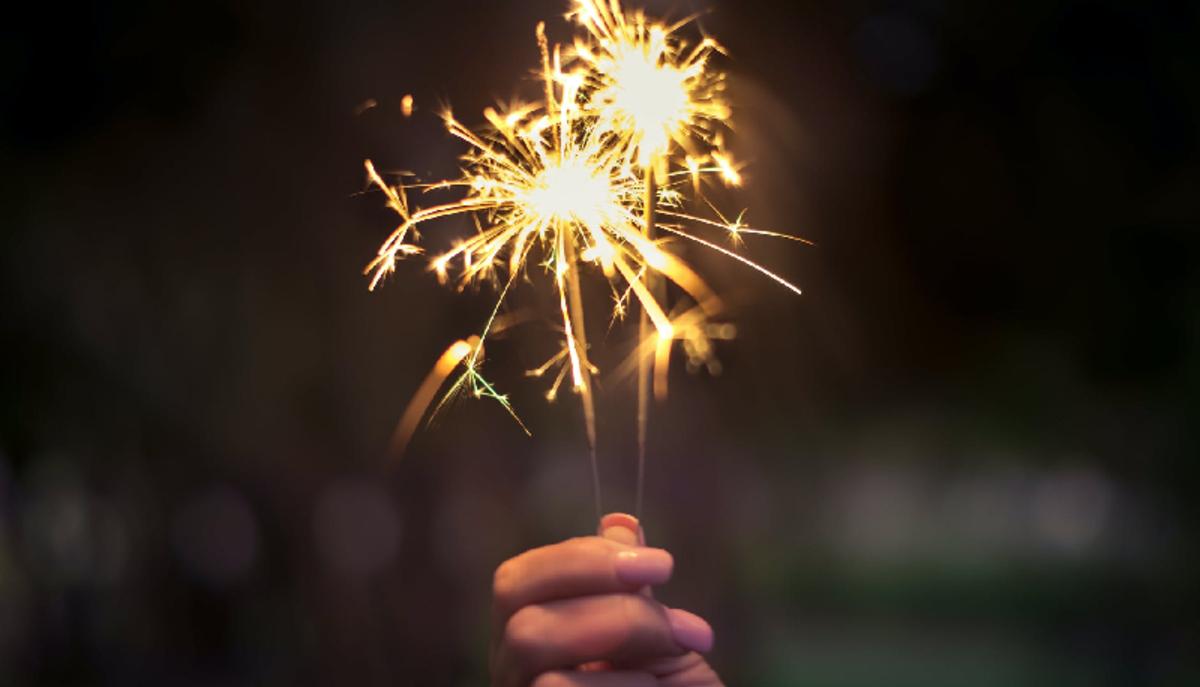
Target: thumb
[(689, 630), (623, 529)]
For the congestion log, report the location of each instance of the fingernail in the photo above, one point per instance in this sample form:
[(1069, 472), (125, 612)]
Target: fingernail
[(621, 528), (690, 630), (643, 566)]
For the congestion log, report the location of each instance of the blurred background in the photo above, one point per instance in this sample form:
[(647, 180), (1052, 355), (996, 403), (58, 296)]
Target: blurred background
[(966, 456)]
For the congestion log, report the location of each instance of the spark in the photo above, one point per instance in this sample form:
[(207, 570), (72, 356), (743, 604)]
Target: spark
[(729, 173), (445, 365)]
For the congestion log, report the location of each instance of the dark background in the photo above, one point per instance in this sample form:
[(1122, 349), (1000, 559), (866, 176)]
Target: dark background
[(966, 456)]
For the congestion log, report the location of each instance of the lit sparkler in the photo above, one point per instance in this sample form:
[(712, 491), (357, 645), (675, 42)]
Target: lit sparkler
[(654, 92), (579, 182), (649, 87)]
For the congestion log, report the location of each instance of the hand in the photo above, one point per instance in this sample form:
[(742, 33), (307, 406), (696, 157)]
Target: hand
[(579, 614)]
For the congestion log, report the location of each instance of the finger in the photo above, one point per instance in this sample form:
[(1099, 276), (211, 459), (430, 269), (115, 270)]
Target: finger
[(576, 567), (574, 678), (689, 669), (624, 629), (622, 528)]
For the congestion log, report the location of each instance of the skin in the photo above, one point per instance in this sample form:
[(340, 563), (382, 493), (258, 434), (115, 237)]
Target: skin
[(580, 614)]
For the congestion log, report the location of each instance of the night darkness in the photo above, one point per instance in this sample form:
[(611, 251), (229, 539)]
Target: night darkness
[(967, 455)]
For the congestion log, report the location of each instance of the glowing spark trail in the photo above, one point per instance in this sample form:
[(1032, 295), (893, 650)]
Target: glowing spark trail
[(579, 181)]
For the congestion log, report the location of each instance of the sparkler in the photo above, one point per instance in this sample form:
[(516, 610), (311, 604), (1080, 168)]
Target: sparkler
[(580, 182), (650, 91)]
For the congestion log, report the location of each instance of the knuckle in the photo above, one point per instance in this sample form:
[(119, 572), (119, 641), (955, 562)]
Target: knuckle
[(525, 631), (504, 580)]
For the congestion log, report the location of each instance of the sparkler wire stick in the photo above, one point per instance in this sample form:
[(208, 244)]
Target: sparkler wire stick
[(573, 315), (643, 389), (585, 393)]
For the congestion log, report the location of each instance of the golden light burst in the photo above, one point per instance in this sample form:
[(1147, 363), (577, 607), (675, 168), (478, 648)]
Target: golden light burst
[(578, 183), (649, 87)]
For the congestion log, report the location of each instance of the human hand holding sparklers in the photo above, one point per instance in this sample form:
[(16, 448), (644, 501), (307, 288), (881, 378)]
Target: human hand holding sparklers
[(579, 614)]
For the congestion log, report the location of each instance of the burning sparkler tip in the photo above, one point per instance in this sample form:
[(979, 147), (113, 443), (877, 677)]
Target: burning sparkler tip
[(582, 178)]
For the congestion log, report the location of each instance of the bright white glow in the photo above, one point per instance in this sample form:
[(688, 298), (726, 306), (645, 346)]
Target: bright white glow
[(653, 97), (572, 190)]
